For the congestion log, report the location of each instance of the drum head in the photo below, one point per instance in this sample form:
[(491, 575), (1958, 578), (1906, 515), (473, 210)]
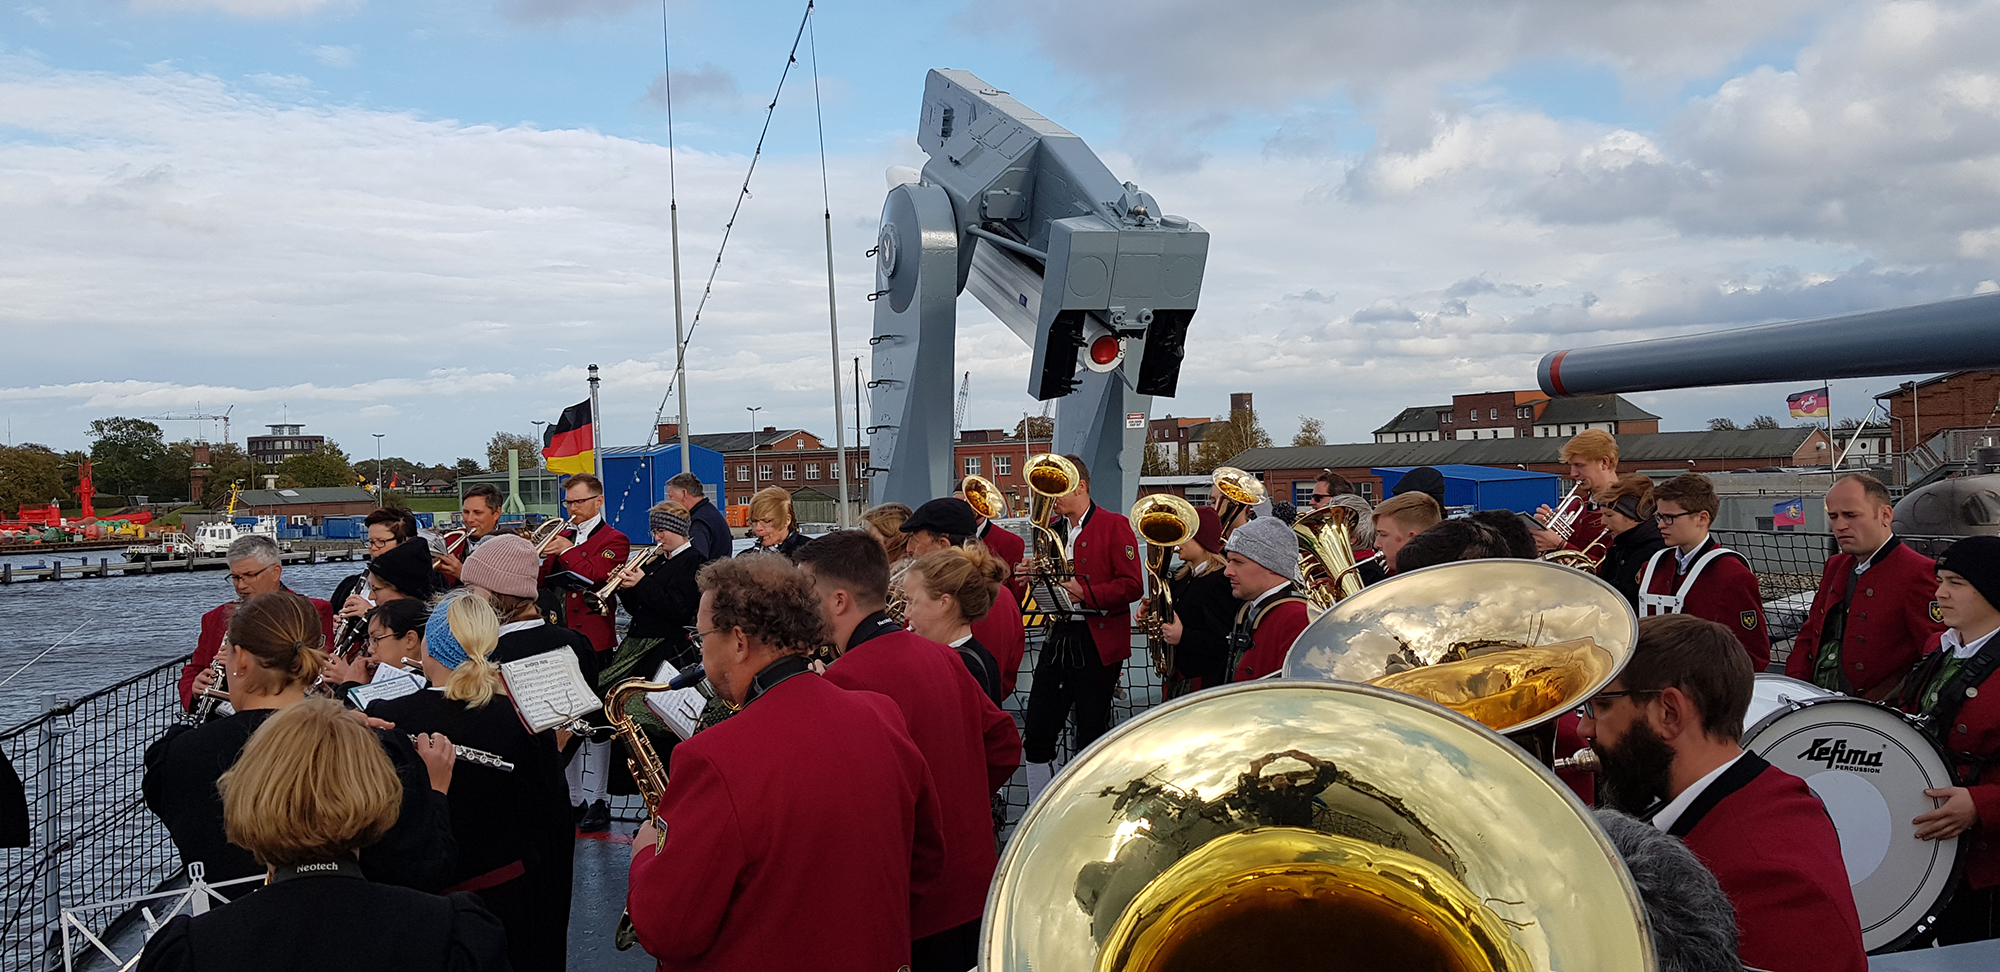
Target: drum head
[(1773, 693), (1870, 768)]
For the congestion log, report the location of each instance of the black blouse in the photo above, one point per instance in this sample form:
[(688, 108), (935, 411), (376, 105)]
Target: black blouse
[(283, 926), (663, 603), (1206, 610), (180, 788)]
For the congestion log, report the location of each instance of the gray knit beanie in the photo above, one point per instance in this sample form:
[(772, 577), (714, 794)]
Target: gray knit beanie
[(1270, 542)]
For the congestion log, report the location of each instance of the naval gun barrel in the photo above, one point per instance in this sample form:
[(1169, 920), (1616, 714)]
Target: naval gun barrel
[(1949, 335)]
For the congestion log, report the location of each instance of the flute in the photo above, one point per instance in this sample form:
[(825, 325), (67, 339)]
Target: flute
[(478, 757)]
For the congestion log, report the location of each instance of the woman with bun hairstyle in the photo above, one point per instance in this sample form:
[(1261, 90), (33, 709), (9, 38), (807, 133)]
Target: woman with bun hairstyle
[(272, 654), (950, 589), (310, 793), (515, 841)]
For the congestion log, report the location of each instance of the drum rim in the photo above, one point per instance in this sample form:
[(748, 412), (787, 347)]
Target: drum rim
[(1928, 916)]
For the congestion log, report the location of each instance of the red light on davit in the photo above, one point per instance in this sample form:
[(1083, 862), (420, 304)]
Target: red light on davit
[(1104, 350)]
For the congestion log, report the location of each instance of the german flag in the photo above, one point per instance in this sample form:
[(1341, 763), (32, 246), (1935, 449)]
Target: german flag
[(566, 444)]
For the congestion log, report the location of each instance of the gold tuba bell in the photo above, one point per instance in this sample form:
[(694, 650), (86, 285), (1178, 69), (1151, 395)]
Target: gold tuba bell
[(1051, 477), (1509, 643), (1296, 824), (1164, 521), (1327, 571), (984, 497), (1235, 493)]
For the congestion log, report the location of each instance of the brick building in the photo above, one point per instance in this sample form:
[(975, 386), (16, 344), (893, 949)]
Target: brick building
[(1960, 400), (282, 442), (1288, 471), (1516, 415), (796, 459)]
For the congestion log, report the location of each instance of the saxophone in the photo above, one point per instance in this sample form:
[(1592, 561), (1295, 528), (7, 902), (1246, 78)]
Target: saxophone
[(647, 771)]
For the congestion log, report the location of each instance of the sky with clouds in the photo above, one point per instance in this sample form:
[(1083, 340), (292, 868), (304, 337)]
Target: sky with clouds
[(424, 218)]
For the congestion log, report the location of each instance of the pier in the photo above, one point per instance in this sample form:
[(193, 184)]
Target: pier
[(106, 567)]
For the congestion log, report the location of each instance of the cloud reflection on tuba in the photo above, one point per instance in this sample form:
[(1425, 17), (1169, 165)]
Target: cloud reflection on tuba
[(1277, 823)]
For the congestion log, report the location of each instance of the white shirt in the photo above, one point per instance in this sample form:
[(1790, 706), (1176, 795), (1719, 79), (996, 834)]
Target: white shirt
[(960, 643), (1686, 559), (1671, 813), (1075, 531), (513, 626), (584, 529), (680, 549), (1861, 566), (1259, 599), (1951, 643)]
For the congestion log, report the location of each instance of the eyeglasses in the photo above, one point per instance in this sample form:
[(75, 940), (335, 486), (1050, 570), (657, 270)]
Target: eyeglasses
[(695, 634), (1667, 519), (584, 499), (1589, 707), (236, 578)]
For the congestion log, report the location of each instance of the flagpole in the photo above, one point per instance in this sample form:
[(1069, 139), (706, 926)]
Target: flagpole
[(596, 436)]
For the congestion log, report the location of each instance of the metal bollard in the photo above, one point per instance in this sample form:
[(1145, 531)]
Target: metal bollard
[(55, 570)]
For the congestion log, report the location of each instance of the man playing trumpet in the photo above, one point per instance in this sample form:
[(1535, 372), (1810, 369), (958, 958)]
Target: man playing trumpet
[(1592, 457)]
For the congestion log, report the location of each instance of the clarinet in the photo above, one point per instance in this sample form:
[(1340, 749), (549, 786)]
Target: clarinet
[(204, 705), (477, 757)]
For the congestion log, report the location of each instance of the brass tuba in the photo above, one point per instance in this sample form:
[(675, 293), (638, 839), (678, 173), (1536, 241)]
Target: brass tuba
[(984, 497), (1509, 643), (1164, 521), (1327, 571), (1051, 477), (1284, 824), (1235, 493)]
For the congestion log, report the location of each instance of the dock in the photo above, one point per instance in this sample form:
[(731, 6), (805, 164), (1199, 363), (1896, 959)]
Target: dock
[(106, 567)]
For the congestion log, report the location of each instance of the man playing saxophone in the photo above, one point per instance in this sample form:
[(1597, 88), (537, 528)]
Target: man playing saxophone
[(796, 833)]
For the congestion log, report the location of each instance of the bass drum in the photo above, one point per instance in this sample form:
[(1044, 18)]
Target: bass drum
[(1870, 767)]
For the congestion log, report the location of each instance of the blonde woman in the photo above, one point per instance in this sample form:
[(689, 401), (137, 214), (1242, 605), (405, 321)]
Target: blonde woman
[(771, 521), (513, 828), (949, 590), (310, 794), (271, 655)]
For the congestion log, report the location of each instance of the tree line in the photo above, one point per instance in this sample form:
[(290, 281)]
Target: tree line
[(132, 457)]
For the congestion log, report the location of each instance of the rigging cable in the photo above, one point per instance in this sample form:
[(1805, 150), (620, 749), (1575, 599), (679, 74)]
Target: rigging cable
[(708, 289), (832, 312)]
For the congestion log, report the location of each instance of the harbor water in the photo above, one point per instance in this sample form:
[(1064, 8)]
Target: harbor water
[(110, 628)]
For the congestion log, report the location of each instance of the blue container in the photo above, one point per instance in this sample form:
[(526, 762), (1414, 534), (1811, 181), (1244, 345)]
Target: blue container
[(426, 520), (635, 477), (343, 527), (246, 521), (1486, 487)]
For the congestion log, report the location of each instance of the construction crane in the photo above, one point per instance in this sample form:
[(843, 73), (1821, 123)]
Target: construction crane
[(201, 435), (958, 412)]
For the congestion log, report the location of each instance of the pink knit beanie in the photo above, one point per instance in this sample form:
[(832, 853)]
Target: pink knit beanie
[(503, 564)]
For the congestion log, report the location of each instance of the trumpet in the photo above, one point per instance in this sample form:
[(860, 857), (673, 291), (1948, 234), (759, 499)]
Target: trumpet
[(1563, 522), (1051, 477), (1164, 521), (602, 600), (441, 544), (1236, 492)]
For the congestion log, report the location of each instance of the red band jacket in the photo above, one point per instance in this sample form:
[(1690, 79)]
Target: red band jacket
[(796, 831), (1976, 732), (1106, 562), (1008, 547), (1725, 592), (1888, 624), (1772, 847), (1272, 636), (970, 745), (215, 624), (600, 553)]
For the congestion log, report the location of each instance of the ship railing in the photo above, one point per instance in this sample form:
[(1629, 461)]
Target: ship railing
[(90, 836)]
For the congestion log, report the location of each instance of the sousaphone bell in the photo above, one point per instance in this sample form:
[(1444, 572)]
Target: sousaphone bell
[(1307, 824), (1509, 643)]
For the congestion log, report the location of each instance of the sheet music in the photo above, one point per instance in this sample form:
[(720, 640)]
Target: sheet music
[(548, 689), (1050, 596), (680, 709), (389, 682)]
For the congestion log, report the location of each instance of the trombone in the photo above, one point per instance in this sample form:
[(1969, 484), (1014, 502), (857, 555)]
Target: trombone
[(1235, 493), (1164, 521)]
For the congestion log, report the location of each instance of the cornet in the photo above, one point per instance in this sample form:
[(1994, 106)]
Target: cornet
[(546, 531), (600, 600)]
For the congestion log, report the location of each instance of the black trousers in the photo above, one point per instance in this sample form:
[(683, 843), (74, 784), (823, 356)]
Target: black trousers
[(951, 950), (1068, 676), (1972, 916)]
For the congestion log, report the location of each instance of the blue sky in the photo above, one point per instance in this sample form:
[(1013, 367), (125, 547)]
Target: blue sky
[(425, 217)]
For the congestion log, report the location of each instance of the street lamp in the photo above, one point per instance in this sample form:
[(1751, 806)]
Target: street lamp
[(538, 431), (378, 468), (754, 479)]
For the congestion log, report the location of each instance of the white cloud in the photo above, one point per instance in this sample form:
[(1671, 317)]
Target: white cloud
[(332, 55), (240, 8)]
